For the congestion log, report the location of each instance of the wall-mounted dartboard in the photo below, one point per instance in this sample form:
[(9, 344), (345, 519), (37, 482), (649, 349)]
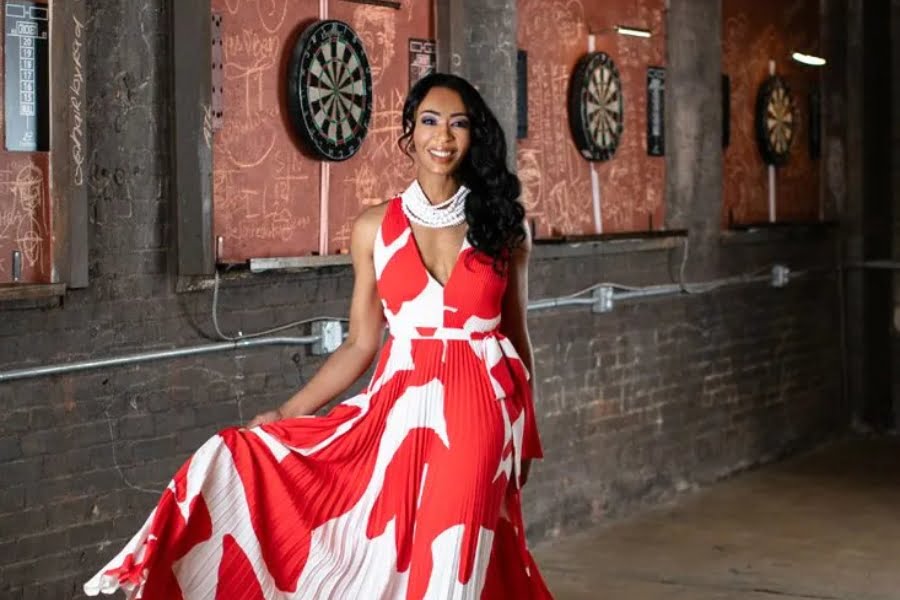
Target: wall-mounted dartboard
[(330, 90), (596, 108), (775, 120)]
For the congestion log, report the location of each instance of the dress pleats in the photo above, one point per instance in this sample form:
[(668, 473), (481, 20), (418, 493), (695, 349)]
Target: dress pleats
[(407, 491)]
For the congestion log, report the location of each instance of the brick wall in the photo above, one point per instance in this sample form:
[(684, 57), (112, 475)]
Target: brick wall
[(656, 397), (664, 395)]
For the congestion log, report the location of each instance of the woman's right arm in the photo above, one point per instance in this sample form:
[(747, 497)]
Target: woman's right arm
[(355, 355)]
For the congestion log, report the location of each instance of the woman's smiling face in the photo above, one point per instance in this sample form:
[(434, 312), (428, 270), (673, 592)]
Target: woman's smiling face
[(442, 133)]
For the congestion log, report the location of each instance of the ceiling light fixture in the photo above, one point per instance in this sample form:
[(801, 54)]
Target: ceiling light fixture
[(808, 59), (633, 31)]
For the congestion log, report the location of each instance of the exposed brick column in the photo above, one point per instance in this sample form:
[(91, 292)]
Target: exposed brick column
[(694, 128), (842, 137), (477, 40)]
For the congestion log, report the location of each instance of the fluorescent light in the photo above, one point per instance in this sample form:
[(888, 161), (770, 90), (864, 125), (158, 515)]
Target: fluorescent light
[(808, 59), (635, 31)]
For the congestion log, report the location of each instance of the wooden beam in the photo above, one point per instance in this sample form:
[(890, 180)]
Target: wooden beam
[(441, 10), (36, 291), (450, 33), (192, 135), (68, 142)]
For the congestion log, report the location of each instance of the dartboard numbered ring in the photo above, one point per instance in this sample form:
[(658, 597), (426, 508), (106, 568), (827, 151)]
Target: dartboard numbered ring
[(596, 106), (330, 90), (775, 120)]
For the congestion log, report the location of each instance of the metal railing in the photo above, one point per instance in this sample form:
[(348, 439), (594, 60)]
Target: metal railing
[(142, 357)]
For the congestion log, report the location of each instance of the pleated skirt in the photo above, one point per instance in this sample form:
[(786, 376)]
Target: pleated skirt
[(403, 492)]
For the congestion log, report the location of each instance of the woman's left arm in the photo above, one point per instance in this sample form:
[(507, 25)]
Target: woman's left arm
[(514, 317)]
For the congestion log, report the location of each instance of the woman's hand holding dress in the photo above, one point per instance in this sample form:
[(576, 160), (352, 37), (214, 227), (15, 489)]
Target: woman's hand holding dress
[(355, 355)]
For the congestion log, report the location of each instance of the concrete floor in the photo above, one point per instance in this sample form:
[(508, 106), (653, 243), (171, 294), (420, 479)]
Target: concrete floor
[(823, 526)]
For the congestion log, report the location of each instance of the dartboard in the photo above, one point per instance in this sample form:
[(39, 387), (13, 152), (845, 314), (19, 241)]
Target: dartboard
[(596, 106), (330, 90), (775, 121)]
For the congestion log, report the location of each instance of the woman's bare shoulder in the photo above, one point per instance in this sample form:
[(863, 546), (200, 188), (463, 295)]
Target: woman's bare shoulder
[(371, 216), (367, 222)]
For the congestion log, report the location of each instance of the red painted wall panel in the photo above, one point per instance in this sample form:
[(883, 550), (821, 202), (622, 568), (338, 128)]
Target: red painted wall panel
[(25, 206), (556, 179), (267, 192), (754, 31), (379, 170), (266, 195), (266, 188)]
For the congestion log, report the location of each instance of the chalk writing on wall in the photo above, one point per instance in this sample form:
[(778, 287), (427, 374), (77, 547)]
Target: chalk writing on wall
[(76, 103), (380, 170), (265, 193), (266, 190), (556, 180), (24, 217)]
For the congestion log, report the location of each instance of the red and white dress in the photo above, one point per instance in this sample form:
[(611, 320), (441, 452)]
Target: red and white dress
[(399, 493)]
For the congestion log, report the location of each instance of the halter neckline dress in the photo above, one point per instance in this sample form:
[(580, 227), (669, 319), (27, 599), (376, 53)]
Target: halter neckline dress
[(402, 492)]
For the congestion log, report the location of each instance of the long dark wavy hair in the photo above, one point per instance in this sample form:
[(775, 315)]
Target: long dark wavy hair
[(493, 210)]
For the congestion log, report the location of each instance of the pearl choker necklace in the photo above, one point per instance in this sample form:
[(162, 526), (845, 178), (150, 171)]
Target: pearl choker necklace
[(420, 211)]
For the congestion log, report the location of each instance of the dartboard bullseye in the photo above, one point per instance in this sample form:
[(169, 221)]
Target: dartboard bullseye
[(775, 122), (596, 109), (330, 90)]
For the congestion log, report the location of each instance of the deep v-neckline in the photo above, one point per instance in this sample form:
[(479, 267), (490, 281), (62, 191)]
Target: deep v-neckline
[(415, 245)]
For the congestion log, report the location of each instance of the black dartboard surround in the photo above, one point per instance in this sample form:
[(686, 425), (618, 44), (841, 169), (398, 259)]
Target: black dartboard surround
[(775, 120), (596, 106), (330, 90)]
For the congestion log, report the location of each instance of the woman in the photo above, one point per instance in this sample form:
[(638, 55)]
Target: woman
[(409, 490)]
